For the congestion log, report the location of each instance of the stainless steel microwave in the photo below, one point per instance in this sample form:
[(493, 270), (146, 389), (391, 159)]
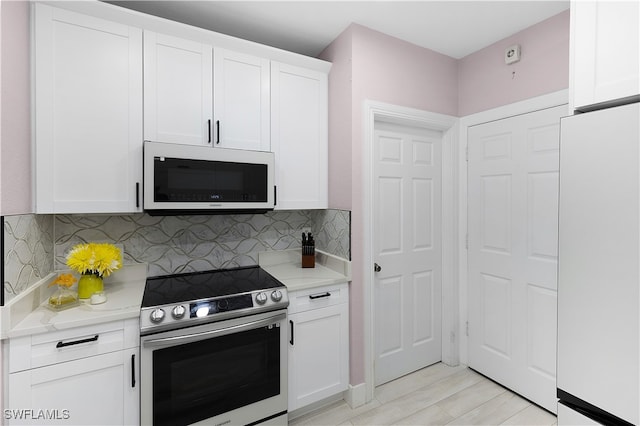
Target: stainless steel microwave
[(189, 179)]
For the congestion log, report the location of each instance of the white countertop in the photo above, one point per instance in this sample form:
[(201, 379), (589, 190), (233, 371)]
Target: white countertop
[(286, 267), (28, 313)]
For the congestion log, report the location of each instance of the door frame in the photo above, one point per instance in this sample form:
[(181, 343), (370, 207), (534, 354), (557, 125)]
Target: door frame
[(550, 100), (379, 111)]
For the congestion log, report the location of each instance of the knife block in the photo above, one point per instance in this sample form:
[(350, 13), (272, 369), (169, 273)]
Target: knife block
[(308, 261)]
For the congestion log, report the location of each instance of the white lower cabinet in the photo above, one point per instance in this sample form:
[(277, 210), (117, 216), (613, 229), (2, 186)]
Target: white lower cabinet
[(90, 376), (318, 344), (99, 390)]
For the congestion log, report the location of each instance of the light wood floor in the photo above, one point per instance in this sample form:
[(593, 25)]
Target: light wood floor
[(436, 395)]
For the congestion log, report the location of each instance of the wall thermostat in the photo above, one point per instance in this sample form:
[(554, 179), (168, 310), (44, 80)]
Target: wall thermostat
[(512, 54)]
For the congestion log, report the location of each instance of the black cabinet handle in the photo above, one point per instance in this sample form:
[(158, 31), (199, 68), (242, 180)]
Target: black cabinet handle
[(62, 344), (275, 195), (291, 326), (319, 296), (209, 129), (137, 194), (133, 370), (217, 132)]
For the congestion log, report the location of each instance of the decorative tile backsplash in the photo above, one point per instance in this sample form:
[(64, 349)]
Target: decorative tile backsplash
[(169, 244), (332, 231), (28, 251)]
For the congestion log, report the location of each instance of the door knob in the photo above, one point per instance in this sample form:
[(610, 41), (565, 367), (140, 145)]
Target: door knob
[(376, 268)]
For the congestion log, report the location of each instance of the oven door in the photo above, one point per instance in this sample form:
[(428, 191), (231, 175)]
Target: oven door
[(227, 372)]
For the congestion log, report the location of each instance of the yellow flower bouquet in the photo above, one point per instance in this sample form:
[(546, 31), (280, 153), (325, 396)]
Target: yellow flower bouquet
[(99, 259), (94, 261)]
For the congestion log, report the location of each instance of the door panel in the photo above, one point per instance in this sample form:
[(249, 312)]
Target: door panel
[(541, 310), (496, 213), (423, 294), (241, 87), (389, 310), (496, 311), (391, 191), (422, 214), (178, 94), (513, 237), (407, 246)]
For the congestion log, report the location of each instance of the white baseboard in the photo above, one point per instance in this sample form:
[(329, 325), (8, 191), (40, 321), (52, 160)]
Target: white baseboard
[(316, 406), (355, 396)]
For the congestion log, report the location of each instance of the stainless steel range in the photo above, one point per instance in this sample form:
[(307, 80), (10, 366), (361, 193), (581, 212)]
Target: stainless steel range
[(214, 348)]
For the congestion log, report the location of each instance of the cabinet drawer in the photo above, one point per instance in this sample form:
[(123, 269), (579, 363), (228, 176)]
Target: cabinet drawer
[(319, 297), (44, 349)]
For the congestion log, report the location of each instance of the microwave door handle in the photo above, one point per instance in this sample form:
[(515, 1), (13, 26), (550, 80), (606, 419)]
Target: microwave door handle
[(189, 338)]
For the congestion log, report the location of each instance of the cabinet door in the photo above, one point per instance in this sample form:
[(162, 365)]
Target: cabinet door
[(88, 113), (318, 354), (606, 50), (241, 101), (299, 136), (97, 390), (177, 90)]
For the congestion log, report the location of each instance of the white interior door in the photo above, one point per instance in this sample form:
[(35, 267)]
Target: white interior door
[(407, 249), (513, 239)]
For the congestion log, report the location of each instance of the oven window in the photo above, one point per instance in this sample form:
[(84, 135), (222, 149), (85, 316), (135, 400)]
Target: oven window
[(195, 381)]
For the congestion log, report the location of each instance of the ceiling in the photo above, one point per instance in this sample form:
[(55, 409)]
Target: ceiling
[(454, 28)]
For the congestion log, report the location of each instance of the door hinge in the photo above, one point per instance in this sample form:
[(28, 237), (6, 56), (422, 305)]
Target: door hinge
[(466, 153), (467, 328)]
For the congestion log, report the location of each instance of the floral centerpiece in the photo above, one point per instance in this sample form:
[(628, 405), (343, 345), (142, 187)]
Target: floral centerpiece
[(93, 261)]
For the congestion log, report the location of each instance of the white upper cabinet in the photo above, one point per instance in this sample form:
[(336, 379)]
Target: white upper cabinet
[(299, 136), (88, 111), (605, 39), (241, 87), (200, 95), (177, 90), (101, 87)]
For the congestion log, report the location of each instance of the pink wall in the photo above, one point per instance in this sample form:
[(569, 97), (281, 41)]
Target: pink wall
[(15, 126), (390, 70), (371, 65), (486, 82), (340, 121)]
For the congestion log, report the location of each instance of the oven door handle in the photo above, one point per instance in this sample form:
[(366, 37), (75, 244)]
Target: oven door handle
[(189, 338)]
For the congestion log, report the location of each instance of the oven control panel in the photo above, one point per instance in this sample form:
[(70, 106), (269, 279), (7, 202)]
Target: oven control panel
[(179, 315), (211, 307)]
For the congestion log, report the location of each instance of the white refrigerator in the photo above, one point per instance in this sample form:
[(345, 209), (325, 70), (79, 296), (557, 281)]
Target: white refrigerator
[(599, 267)]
